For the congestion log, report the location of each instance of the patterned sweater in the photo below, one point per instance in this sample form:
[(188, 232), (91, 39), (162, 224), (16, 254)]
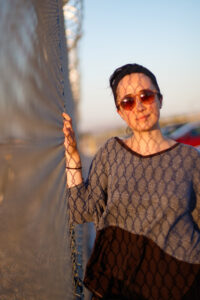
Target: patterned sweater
[(157, 196)]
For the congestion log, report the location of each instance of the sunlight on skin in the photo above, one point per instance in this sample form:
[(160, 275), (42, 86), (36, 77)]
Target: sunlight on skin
[(72, 156), (143, 119)]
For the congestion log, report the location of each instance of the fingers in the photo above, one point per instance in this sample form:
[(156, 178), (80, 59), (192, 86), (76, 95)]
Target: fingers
[(67, 125), (70, 140), (66, 116), (67, 122)]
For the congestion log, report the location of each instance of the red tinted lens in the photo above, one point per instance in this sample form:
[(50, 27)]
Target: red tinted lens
[(128, 103), (147, 97)]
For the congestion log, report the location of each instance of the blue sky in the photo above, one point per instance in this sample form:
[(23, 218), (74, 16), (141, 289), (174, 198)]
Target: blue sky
[(164, 36)]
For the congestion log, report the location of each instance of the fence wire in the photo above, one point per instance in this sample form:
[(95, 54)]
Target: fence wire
[(146, 208), (35, 255)]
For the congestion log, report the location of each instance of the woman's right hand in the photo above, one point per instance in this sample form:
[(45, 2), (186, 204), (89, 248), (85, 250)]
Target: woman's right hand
[(71, 151), (70, 140)]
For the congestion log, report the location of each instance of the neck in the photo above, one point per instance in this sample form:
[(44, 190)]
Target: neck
[(148, 142)]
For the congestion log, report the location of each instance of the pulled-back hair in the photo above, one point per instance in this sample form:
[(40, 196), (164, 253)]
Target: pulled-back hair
[(127, 69)]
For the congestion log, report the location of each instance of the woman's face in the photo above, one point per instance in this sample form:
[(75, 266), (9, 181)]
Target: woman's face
[(143, 116)]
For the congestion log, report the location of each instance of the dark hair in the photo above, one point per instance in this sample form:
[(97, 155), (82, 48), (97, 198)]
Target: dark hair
[(124, 70)]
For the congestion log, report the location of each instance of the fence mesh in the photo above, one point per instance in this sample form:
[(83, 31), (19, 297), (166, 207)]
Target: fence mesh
[(143, 194), (73, 15), (35, 255)]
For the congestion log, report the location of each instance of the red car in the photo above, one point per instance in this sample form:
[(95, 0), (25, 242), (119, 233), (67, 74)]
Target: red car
[(188, 134)]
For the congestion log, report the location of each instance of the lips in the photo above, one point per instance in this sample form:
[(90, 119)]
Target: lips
[(142, 118)]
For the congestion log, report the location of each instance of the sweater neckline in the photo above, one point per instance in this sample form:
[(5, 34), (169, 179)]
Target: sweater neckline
[(121, 142)]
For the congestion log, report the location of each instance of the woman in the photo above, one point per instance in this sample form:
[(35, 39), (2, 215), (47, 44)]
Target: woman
[(143, 194)]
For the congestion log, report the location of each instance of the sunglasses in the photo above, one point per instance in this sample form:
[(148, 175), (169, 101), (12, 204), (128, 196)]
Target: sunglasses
[(145, 96)]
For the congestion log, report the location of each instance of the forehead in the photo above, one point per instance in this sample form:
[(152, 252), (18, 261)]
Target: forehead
[(133, 83)]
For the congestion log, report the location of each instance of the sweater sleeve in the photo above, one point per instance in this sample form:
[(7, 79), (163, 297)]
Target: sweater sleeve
[(196, 186), (87, 201)]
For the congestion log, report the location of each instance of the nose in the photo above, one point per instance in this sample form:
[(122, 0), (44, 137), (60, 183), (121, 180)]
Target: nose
[(139, 106)]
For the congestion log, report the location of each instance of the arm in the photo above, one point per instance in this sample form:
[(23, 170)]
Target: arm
[(73, 161), (86, 201)]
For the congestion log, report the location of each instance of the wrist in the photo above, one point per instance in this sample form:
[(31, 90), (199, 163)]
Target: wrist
[(73, 168)]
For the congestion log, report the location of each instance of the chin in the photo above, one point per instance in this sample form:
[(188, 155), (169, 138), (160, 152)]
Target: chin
[(145, 127)]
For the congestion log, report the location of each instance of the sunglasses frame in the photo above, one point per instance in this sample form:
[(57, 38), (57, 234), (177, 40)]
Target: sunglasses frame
[(139, 94)]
